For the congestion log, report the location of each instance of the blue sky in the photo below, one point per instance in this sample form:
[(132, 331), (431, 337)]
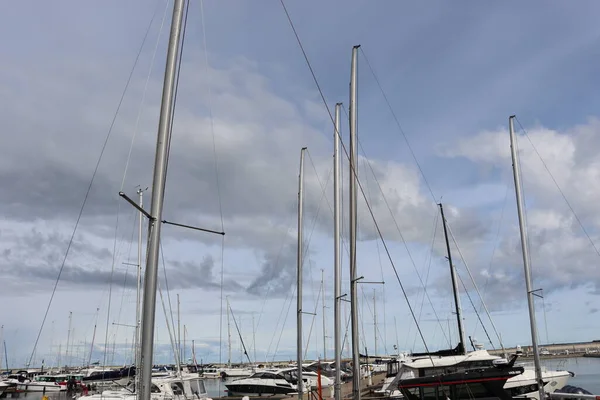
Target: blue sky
[(453, 75)]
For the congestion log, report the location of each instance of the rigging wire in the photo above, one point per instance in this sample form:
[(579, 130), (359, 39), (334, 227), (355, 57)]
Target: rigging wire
[(412, 152), (405, 243), (125, 291), (240, 334), (284, 322), (307, 345), (89, 188), (559, 188), (476, 313), (366, 161), (216, 164), (545, 320), (414, 156), (289, 298), (430, 259), (143, 101), (354, 172), (402, 238), (171, 122), (475, 286), (496, 241), (171, 334)]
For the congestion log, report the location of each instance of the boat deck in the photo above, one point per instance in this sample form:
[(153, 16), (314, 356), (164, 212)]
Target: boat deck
[(367, 392)]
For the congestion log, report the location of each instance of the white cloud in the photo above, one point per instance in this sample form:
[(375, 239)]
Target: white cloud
[(561, 253)]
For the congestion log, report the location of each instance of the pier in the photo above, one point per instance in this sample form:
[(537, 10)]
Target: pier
[(557, 350)]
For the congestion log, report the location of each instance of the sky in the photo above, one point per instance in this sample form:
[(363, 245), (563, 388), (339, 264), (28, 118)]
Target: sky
[(80, 89)]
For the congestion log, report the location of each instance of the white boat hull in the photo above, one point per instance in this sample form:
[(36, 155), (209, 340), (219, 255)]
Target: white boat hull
[(554, 380), (40, 387)]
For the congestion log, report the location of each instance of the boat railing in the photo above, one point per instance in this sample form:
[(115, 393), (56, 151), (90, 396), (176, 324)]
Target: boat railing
[(573, 396)]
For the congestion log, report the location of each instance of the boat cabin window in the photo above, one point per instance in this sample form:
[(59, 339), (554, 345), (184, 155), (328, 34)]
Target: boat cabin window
[(392, 368), (177, 388), (197, 387), (460, 367), (289, 376), (154, 389)]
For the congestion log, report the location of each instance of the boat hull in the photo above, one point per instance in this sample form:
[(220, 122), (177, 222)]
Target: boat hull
[(33, 387), (521, 386)]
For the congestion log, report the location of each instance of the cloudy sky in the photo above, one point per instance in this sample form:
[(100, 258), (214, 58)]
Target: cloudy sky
[(452, 75)]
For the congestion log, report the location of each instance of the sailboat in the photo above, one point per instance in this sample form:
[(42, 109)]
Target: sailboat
[(432, 371), (178, 386)]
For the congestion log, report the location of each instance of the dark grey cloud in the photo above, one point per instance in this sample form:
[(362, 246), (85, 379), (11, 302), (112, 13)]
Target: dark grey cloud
[(277, 273)]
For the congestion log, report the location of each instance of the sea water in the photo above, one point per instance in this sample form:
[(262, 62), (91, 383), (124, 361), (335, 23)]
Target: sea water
[(587, 376)]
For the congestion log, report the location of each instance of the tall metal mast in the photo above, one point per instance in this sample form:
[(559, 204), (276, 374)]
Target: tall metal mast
[(337, 327), (1, 340), (525, 249), (228, 335), (324, 325), (178, 331), (375, 321), (138, 300), (352, 204), (158, 192), (461, 331), (67, 355), (299, 277)]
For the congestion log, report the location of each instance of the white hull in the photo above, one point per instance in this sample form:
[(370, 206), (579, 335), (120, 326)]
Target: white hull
[(40, 387), (556, 380)]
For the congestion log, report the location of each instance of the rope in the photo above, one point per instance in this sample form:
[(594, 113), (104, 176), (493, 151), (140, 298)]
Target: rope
[(558, 187), (216, 163), (142, 102), (487, 279), (89, 188), (355, 175), (476, 289), (435, 225)]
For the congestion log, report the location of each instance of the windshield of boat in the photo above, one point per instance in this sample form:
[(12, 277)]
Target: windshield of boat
[(266, 375), (197, 387)]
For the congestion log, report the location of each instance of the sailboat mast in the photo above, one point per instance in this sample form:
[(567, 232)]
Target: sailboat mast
[(68, 339), (336, 256), (525, 250), (299, 277), (228, 335), (461, 331), (253, 339), (5, 354), (324, 325), (158, 193), (178, 330), (1, 340), (92, 347), (138, 299), (353, 226), (375, 321)]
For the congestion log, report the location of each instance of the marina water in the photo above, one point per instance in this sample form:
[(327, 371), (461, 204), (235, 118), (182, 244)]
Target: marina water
[(587, 376)]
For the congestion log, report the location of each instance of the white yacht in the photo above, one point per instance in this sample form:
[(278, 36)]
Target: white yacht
[(172, 388), (41, 383), (523, 385), (283, 383)]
